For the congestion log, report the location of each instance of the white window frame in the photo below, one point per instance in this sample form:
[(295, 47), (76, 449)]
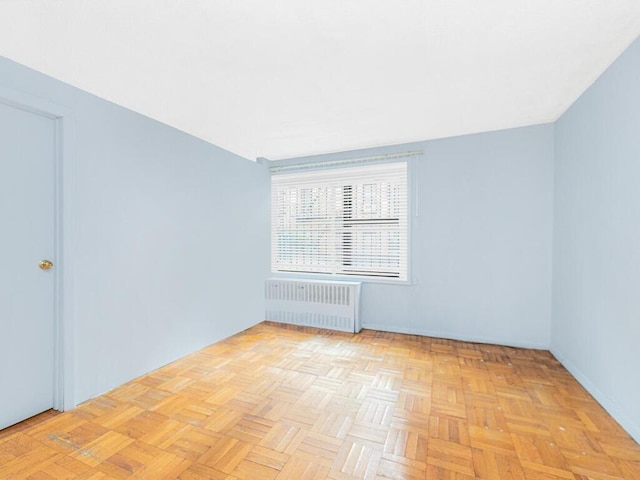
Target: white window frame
[(408, 158)]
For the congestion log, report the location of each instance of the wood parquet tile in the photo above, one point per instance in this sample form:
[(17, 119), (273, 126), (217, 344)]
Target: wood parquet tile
[(288, 403)]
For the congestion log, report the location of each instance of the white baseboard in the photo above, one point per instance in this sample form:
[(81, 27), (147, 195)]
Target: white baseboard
[(450, 336), (610, 405)]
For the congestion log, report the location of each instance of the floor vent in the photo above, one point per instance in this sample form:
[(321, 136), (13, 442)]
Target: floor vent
[(321, 304)]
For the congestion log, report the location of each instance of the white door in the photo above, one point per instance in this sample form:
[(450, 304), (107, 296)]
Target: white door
[(27, 156)]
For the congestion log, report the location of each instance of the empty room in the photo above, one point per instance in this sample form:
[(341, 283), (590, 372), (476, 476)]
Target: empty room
[(319, 240)]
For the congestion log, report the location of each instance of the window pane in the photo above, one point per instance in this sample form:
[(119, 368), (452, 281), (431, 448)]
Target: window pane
[(346, 221)]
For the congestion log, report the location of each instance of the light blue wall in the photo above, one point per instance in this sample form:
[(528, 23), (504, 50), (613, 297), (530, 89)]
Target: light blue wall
[(596, 289), (171, 244), (481, 240)]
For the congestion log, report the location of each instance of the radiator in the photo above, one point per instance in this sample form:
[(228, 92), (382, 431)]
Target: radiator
[(321, 304)]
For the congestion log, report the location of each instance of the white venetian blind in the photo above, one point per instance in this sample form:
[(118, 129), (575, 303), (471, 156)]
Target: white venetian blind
[(341, 221)]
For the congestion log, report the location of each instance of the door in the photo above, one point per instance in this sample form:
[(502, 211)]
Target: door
[(27, 220)]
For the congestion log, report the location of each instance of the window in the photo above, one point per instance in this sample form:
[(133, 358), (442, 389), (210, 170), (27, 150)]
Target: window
[(342, 221)]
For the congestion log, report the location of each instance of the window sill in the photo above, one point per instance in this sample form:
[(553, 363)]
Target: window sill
[(340, 278)]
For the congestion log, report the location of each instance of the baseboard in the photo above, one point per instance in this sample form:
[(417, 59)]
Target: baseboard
[(610, 405), (450, 336)]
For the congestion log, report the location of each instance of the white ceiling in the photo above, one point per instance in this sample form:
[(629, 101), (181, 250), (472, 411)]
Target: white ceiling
[(285, 78)]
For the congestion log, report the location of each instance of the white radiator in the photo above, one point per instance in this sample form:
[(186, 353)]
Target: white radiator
[(321, 304)]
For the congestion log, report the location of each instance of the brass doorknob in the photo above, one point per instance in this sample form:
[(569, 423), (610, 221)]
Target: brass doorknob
[(46, 264)]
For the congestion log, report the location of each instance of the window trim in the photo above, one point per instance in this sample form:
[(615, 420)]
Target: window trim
[(409, 158)]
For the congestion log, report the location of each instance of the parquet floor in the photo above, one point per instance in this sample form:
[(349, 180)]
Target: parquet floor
[(281, 403)]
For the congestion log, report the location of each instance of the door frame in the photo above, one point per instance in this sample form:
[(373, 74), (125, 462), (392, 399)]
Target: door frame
[(64, 227)]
